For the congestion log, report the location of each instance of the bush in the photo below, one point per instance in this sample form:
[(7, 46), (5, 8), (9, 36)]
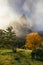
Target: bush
[(37, 54)]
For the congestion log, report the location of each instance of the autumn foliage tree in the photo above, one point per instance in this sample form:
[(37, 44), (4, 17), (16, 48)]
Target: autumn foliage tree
[(33, 40)]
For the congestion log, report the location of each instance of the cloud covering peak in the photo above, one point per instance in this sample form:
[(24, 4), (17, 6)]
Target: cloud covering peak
[(33, 10)]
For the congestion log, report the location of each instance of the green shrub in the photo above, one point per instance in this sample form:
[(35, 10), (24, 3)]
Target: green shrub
[(37, 54)]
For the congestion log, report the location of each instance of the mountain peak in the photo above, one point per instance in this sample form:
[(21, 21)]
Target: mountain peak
[(23, 16)]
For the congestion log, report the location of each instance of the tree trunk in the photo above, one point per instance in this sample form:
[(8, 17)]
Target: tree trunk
[(14, 50)]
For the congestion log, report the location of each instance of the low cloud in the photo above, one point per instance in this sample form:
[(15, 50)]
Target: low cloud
[(33, 10)]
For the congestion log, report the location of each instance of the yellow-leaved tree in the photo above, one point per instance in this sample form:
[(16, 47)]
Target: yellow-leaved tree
[(33, 40)]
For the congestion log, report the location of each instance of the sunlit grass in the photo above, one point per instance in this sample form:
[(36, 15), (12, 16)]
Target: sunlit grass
[(22, 57)]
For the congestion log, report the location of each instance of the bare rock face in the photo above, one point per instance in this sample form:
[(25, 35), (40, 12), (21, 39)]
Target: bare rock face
[(21, 26)]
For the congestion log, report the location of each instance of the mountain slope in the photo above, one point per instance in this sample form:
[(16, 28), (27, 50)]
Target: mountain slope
[(21, 26)]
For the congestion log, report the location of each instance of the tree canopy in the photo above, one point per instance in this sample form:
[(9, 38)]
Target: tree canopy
[(33, 40), (8, 39)]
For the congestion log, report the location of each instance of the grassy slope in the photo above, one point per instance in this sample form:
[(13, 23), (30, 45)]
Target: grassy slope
[(22, 57)]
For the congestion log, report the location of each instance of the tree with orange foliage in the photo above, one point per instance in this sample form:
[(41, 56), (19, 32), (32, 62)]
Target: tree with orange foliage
[(33, 40)]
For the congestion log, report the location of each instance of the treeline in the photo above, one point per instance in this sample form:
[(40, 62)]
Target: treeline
[(8, 39)]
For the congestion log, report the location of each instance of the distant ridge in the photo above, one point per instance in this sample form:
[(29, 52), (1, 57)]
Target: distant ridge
[(41, 32)]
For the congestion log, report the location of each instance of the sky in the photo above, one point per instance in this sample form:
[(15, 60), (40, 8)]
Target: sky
[(12, 9)]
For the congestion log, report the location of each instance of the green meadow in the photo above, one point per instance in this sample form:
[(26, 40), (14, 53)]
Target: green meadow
[(21, 57)]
